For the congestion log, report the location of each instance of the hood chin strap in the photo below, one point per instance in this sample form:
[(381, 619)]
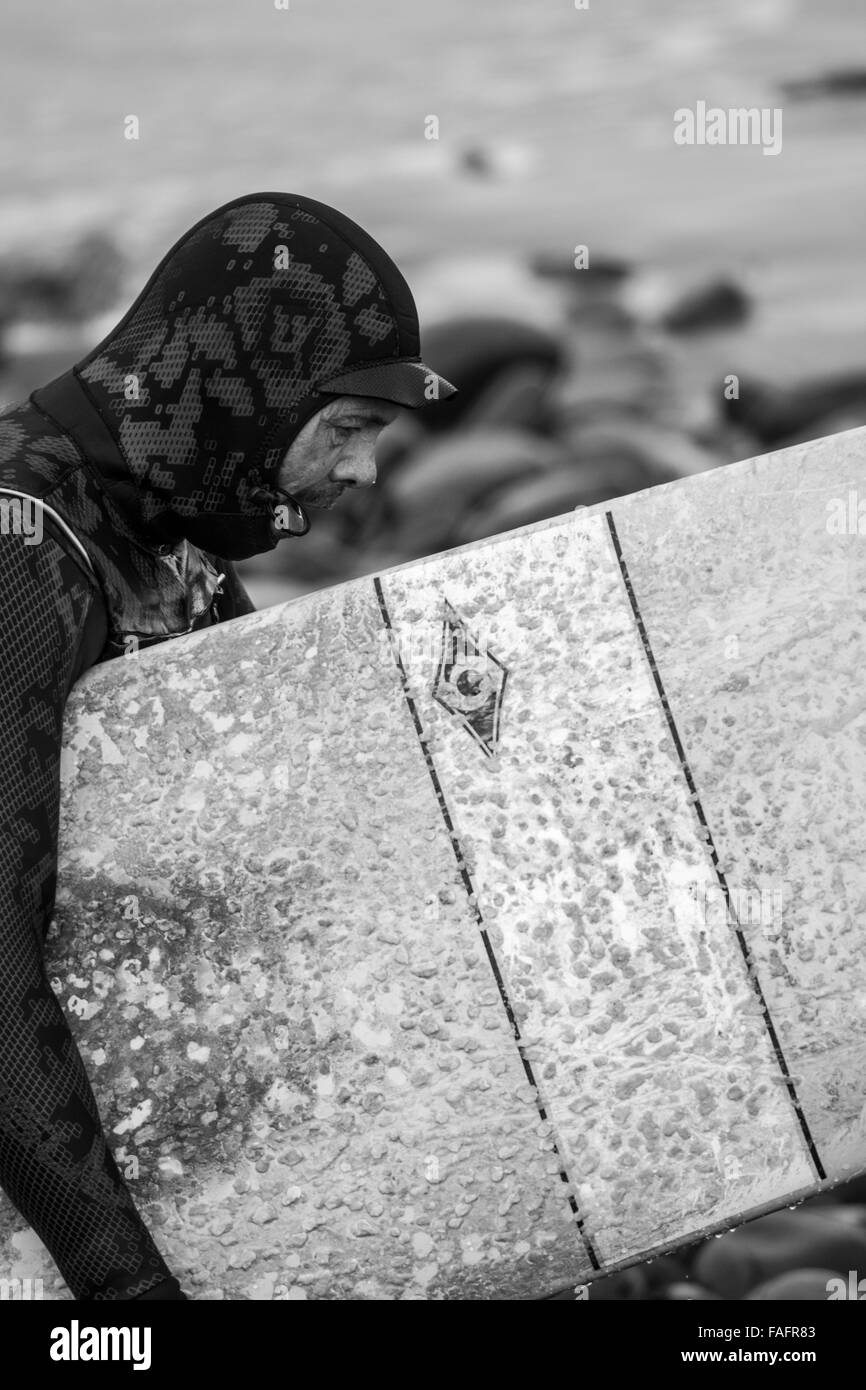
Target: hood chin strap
[(284, 502)]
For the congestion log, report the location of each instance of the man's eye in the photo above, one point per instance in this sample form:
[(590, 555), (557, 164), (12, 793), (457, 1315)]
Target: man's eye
[(344, 429)]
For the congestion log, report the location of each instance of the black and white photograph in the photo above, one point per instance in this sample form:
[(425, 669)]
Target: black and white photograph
[(432, 625)]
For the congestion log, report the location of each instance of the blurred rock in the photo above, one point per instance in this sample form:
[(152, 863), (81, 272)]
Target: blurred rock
[(779, 416), (594, 290), (626, 1285), (837, 422), (51, 351), (844, 82), (645, 453), (432, 492), (81, 282), (518, 397), (496, 160), (733, 1264), (796, 1285), (96, 274), (476, 160), (718, 304), (683, 304), (601, 270), (687, 1292), (529, 500), (852, 1215), (501, 366), (664, 1270), (620, 367), (829, 1197), (852, 1191)]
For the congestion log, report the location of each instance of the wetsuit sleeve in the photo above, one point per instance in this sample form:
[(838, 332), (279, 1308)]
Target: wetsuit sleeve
[(55, 1166)]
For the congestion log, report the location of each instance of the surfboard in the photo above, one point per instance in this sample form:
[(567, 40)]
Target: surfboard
[(476, 928)]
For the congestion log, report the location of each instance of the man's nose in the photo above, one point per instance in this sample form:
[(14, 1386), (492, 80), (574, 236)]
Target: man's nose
[(356, 472)]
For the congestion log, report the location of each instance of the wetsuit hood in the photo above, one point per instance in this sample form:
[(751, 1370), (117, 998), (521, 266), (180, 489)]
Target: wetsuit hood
[(262, 313)]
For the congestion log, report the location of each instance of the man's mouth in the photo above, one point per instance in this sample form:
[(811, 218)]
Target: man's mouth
[(325, 500)]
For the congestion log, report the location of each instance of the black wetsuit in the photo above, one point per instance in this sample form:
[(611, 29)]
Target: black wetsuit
[(168, 435), (54, 1162)]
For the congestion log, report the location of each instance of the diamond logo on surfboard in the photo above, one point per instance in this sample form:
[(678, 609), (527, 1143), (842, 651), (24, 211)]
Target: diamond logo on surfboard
[(470, 681)]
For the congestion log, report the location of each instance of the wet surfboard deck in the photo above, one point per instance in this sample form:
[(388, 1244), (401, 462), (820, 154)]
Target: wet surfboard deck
[(477, 928)]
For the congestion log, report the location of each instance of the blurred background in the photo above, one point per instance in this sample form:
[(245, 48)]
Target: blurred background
[(554, 131)]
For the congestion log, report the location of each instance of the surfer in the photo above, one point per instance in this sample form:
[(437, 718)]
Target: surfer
[(249, 380)]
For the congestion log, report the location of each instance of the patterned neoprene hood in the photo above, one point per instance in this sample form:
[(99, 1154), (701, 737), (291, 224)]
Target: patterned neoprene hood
[(254, 320)]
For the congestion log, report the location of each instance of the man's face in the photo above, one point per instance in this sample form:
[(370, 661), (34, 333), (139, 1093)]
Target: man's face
[(335, 449)]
